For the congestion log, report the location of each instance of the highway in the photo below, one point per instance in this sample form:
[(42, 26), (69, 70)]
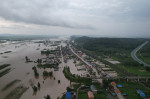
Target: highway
[(133, 54)]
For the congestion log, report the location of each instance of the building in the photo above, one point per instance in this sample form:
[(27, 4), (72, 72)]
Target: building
[(90, 95), (140, 92), (68, 95), (93, 89), (113, 84)]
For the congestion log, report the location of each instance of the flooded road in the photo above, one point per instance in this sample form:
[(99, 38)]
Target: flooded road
[(23, 71)]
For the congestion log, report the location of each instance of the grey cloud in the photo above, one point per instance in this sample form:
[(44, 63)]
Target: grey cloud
[(137, 10), (42, 12), (110, 17)]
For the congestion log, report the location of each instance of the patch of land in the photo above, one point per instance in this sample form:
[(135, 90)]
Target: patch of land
[(16, 93), (10, 84), (101, 94), (4, 66), (5, 72)]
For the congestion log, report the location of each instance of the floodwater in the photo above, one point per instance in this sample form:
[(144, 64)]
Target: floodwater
[(23, 71)]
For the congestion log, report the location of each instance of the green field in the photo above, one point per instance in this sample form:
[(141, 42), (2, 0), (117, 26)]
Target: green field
[(130, 89), (117, 49), (139, 71), (100, 95), (83, 95)]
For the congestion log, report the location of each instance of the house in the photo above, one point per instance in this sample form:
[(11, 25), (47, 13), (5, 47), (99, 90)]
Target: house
[(68, 95), (103, 73), (117, 91), (140, 92), (113, 83), (93, 89), (119, 86), (90, 95)]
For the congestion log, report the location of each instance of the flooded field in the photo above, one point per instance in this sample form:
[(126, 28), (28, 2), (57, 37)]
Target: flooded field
[(21, 70)]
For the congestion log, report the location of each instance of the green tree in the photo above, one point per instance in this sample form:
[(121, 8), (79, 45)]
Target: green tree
[(58, 81), (34, 88), (47, 97), (51, 74), (39, 85), (68, 89), (26, 59)]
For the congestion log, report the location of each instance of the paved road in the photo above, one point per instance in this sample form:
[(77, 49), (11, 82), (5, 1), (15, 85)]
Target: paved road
[(97, 75), (133, 54), (80, 57)]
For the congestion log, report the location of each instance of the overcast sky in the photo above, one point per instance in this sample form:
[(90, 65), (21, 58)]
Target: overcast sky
[(124, 18)]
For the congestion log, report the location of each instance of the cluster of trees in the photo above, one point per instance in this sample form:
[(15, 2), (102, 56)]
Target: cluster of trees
[(27, 59), (58, 81), (75, 78), (35, 71), (45, 73), (108, 45), (147, 68), (119, 48), (39, 61), (47, 97), (35, 88), (48, 65)]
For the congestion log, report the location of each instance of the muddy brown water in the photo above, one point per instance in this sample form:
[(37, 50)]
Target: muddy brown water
[(23, 71)]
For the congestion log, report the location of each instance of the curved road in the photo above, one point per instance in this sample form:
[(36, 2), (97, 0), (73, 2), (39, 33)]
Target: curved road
[(133, 54)]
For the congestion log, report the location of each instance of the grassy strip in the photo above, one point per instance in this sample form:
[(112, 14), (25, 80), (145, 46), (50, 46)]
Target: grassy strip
[(16, 93), (83, 95), (139, 70), (4, 66), (48, 65), (10, 84), (75, 78), (5, 72), (145, 57)]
